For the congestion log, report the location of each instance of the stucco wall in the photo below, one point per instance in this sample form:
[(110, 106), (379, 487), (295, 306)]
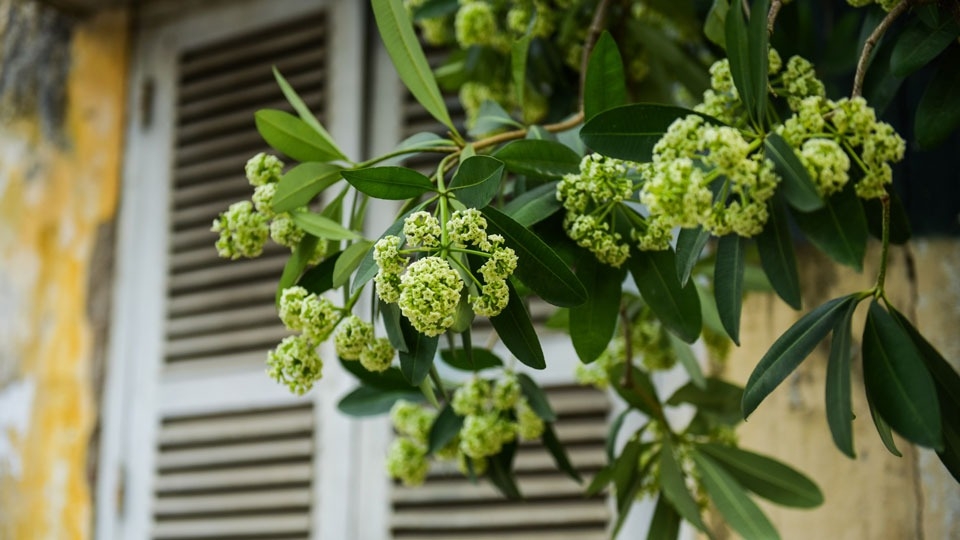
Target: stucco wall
[(61, 101)]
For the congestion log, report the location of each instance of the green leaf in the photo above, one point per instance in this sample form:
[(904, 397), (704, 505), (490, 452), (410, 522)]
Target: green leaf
[(728, 284), (538, 266), (500, 472), (613, 433), (719, 399), (319, 279), (883, 429), (767, 477), (665, 524), (391, 379), (416, 361), (601, 480), (306, 115), (747, 51), (477, 181), (297, 262), (690, 243), (714, 25), (779, 262), (349, 260), (518, 64), (798, 188), (393, 183), (302, 183), (369, 401), (534, 206), (900, 232), (482, 359), (688, 360), (390, 314), (677, 307), (790, 349), (402, 45), (897, 381), (321, 227), (625, 468), (944, 376), (593, 322), (516, 331), (445, 427), (631, 131), (605, 84), (540, 159), (675, 487), (491, 117), (642, 396), (938, 113), (536, 398), (758, 55), (559, 453), (731, 500), (838, 404), (839, 229), (918, 44), (286, 133)]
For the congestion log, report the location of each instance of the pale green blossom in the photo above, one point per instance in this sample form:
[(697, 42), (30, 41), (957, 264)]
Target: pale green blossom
[(506, 392), (422, 229), (472, 397), (412, 420), (263, 169), (377, 355), (826, 163), (485, 434), (295, 363), (243, 232), (263, 199), (285, 232), (352, 336), (475, 24), (529, 425), (429, 294), (407, 461)]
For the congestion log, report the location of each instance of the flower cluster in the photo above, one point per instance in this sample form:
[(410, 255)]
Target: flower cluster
[(243, 231), (355, 340), (468, 228), (295, 361), (649, 343)]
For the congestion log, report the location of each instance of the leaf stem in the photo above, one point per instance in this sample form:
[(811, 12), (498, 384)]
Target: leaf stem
[(438, 383), (872, 41), (402, 152), (885, 245)]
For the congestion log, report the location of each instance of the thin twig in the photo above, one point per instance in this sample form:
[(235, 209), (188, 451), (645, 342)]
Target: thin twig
[(593, 34), (494, 140), (772, 16), (872, 41), (627, 347)]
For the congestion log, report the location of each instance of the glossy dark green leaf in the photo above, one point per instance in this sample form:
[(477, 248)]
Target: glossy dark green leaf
[(286, 133), (777, 257), (719, 399), (767, 477), (675, 487), (306, 115), (541, 159), (538, 266), (445, 427), (322, 227), (732, 501), (641, 395), (559, 453), (536, 398), (758, 56), (416, 361), (392, 183), (938, 113), (714, 25), (319, 279), (897, 381), (370, 401), (390, 315), (515, 329), (665, 524), (945, 377), (481, 359), (500, 472), (690, 243), (838, 402), (728, 284), (738, 52), (302, 183), (613, 433), (839, 229), (403, 46), (625, 468), (900, 232), (519, 52), (391, 379), (631, 131), (349, 260), (790, 349), (593, 322), (688, 360), (600, 481), (798, 188), (477, 181), (605, 84), (918, 44), (297, 262), (534, 206), (677, 307), (883, 429)]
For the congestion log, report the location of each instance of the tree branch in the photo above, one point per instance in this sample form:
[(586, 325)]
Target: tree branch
[(772, 16), (593, 33), (872, 41)]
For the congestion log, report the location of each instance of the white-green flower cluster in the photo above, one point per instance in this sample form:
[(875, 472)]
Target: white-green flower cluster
[(649, 342), (355, 340), (295, 363), (407, 461), (243, 231), (263, 169), (494, 415), (314, 315), (429, 294), (468, 228)]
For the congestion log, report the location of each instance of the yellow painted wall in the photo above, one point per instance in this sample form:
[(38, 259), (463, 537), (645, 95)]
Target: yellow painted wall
[(54, 194)]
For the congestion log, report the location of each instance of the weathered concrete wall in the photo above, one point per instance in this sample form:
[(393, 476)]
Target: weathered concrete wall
[(876, 496), (61, 103)]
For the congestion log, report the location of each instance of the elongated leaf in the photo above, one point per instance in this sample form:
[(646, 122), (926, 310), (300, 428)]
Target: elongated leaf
[(918, 44), (767, 477), (304, 182), (390, 379), (640, 393), (297, 262), (665, 524), (777, 257), (839, 229), (688, 360), (600, 481), (518, 66), (538, 267), (898, 383), (690, 243), (482, 359), (286, 133), (613, 433), (593, 322), (536, 398), (416, 361), (559, 453), (390, 315), (883, 429), (743, 515), (675, 487), (631, 131), (606, 86), (319, 279), (541, 159), (625, 468), (349, 260), (321, 227), (393, 183), (790, 349), (728, 284), (491, 117), (944, 376), (838, 403), (534, 205), (306, 115), (477, 181), (938, 113), (402, 45), (677, 307), (369, 401), (758, 59), (747, 51), (719, 400), (714, 25), (516, 331), (798, 188), (500, 472), (445, 427)]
